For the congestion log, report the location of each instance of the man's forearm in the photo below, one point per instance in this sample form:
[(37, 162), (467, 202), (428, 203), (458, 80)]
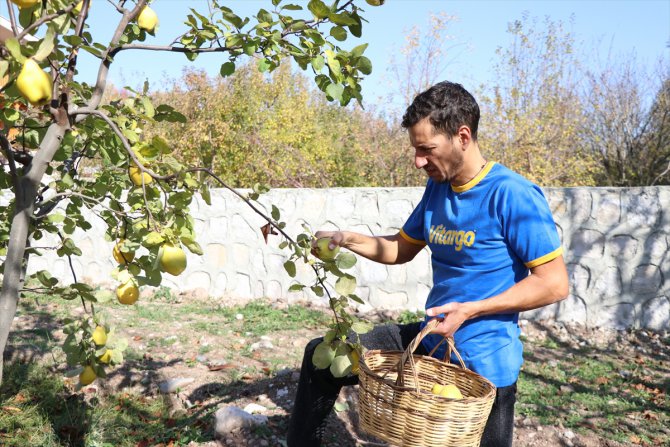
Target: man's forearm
[(382, 249)]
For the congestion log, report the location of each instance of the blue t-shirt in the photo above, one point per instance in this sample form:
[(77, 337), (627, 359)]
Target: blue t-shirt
[(484, 237)]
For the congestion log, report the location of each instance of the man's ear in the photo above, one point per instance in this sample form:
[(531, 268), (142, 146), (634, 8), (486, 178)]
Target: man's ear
[(464, 136)]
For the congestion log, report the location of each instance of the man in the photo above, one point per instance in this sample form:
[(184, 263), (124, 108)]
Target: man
[(495, 253)]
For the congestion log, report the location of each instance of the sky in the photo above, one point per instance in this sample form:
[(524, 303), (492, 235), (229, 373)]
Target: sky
[(619, 27)]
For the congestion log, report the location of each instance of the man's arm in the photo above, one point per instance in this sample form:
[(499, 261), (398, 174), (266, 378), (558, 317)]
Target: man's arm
[(547, 284), (393, 249)]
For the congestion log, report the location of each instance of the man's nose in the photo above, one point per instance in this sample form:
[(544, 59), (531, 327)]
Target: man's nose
[(420, 161)]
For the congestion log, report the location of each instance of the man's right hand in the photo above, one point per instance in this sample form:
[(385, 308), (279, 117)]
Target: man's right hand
[(336, 240)]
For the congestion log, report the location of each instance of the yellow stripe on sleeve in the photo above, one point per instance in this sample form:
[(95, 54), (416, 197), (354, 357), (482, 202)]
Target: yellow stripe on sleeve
[(411, 239), (546, 258)]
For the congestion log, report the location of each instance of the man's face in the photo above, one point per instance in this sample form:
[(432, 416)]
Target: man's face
[(437, 154)]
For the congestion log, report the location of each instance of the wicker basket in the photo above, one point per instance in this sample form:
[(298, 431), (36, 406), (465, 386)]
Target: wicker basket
[(396, 403)]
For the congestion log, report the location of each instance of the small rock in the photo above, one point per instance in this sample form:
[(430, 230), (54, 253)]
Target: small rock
[(201, 358), (568, 434), (239, 317), (229, 419), (295, 376), (255, 408), (172, 385), (282, 392), (284, 372), (566, 389), (263, 344)]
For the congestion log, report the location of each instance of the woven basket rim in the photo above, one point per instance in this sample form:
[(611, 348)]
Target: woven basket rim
[(374, 375)]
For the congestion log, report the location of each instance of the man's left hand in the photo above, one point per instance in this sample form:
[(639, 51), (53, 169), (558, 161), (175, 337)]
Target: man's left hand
[(454, 314)]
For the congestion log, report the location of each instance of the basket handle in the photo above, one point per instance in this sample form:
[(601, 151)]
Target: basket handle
[(407, 355)]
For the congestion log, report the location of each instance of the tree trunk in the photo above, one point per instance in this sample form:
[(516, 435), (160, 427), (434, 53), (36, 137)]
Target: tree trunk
[(12, 281)]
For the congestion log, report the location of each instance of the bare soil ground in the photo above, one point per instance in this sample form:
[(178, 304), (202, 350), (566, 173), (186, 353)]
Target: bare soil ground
[(219, 364)]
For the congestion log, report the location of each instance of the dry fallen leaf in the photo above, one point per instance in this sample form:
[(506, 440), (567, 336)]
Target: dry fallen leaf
[(267, 229)]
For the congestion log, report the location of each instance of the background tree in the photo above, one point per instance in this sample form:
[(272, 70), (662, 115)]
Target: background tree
[(627, 132), (532, 116), (141, 191), (277, 124)]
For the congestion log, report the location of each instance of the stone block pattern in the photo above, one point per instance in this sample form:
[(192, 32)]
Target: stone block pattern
[(616, 243)]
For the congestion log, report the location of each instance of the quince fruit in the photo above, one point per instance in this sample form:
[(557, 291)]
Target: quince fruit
[(323, 251), (77, 9), (173, 259), (138, 177), (451, 391), (25, 3), (148, 20), (128, 292), (34, 84), (106, 357), (122, 257), (99, 336), (87, 376)]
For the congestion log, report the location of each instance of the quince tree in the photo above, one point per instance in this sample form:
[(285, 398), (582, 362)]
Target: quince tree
[(50, 123)]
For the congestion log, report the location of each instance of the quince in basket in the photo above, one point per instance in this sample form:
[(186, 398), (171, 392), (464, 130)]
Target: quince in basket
[(451, 391)]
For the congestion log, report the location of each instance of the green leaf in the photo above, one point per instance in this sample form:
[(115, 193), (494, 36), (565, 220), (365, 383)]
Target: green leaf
[(292, 7), (289, 266), (192, 245), (364, 65), (264, 65), (4, 66), (345, 285), (359, 50), (56, 218), (335, 91), (275, 212), (343, 18), (318, 63), (345, 261), (14, 48), (338, 33), (318, 290), (341, 406), (319, 9), (340, 366), (357, 29), (152, 239), (148, 106), (45, 278), (205, 193), (362, 327), (227, 69), (323, 355), (296, 287), (46, 46), (264, 16)]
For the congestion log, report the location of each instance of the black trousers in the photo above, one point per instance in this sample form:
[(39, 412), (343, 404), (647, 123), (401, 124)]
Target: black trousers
[(318, 390)]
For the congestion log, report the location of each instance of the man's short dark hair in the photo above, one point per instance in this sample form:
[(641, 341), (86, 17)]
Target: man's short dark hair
[(448, 106)]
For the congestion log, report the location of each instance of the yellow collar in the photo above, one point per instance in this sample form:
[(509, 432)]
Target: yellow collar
[(477, 178)]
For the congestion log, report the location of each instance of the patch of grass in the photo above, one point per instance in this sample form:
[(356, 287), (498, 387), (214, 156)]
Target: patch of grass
[(586, 391), (260, 318), (407, 317), (39, 410)]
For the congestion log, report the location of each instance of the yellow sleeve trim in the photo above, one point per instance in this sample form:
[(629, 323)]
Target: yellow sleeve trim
[(546, 258), (411, 239)]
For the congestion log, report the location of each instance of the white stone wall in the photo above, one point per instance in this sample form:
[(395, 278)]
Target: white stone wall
[(616, 242)]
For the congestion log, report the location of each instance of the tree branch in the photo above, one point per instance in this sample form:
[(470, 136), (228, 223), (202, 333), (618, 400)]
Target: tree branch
[(9, 153), (103, 71), (43, 20), (12, 18)]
